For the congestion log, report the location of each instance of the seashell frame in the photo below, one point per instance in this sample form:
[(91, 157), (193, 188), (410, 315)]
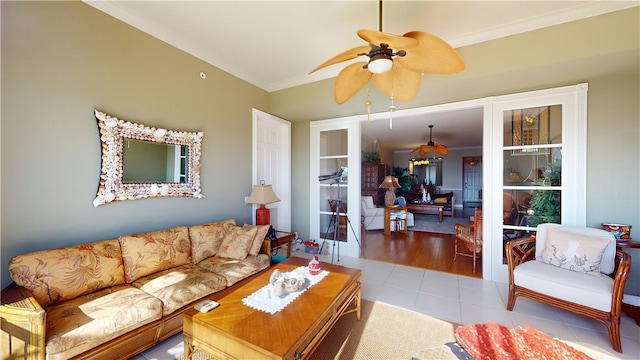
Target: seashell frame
[(111, 188)]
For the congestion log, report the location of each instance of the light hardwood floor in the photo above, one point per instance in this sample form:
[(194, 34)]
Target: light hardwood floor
[(419, 249)]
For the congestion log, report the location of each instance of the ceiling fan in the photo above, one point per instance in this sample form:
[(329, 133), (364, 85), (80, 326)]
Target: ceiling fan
[(396, 63), (431, 146)]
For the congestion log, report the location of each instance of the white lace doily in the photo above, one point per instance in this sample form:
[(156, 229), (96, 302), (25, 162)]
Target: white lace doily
[(265, 300)]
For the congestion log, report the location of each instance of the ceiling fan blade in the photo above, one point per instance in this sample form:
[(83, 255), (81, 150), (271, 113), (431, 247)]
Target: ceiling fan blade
[(351, 79), (432, 56), (423, 150), (404, 83), (441, 149), (344, 56), (395, 42)]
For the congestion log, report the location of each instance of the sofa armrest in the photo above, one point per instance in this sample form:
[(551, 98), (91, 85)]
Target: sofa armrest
[(519, 251), (23, 324), (453, 203), (266, 247)]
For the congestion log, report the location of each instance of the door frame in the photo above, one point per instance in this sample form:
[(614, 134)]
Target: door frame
[(574, 118)]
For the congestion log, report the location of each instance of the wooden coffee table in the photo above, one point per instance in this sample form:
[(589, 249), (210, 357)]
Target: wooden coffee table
[(426, 209), (236, 331)]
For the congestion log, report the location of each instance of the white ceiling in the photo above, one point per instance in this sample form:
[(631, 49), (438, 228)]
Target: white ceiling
[(290, 38)]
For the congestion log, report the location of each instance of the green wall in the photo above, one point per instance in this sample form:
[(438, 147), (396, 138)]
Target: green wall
[(62, 60)]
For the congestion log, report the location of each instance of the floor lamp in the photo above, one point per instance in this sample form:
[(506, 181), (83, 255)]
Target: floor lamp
[(261, 195)]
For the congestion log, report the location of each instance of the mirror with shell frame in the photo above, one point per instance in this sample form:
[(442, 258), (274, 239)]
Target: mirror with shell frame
[(141, 162)]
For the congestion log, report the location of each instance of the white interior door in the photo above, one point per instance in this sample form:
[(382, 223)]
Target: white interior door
[(272, 164), (472, 182)]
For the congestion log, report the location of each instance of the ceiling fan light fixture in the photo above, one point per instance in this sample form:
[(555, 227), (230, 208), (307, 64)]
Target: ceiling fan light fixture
[(380, 64)]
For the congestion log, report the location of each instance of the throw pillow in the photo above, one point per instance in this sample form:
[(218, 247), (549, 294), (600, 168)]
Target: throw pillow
[(236, 243), (491, 341), (573, 251), (440, 200), (207, 238), (258, 240)]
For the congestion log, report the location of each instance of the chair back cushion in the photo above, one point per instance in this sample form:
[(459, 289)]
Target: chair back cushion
[(581, 249)]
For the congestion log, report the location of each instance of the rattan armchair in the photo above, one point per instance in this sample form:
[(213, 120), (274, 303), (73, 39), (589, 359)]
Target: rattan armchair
[(470, 238), (583, 288)]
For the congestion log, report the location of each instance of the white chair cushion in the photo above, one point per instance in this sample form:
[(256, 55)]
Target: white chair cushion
[(573, 286), (601, 248)]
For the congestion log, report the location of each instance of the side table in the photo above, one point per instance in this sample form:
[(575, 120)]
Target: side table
[(282, 238), (395, 219), (632, 310)]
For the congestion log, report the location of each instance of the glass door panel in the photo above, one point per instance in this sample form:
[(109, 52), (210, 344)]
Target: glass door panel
[(532, 169), (334, 168)]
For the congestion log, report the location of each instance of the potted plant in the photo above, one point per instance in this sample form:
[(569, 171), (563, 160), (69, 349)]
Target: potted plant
[(546, 203), (404, 178), (370, 156)]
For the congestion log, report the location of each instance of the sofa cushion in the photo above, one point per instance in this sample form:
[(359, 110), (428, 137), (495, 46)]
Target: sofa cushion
[(87, 321), (180, 286), (236, 243), (62, 274), (207, 238), (236, 270), (446, 196), (367, 202), (145, 254), (592, 291), (258, 240), (577, 249)]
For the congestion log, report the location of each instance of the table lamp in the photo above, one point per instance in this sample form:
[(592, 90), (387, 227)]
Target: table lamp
[(261, 195), (389, 183)]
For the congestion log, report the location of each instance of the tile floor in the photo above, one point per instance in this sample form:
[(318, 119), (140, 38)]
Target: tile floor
[(459, 299)]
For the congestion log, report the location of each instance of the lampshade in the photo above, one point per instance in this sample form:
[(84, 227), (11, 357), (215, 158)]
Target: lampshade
[(389, 182), (380, 64), (262, 194)]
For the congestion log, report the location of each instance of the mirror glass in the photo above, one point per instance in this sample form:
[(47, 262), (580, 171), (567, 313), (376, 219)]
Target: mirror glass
[(140, 161), (148, 161)]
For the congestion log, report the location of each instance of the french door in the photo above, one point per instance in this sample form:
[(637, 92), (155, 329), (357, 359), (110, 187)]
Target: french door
[(534, 148), (335, 186), (538, 148)]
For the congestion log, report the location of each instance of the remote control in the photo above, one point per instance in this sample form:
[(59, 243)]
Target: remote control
[(206, 306)]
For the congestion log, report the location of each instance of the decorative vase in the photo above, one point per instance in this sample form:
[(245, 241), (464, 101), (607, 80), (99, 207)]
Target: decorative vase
[(389, 197)]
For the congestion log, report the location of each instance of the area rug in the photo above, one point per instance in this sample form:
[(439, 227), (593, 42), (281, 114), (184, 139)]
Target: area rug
[(383, 332), (430, 223)]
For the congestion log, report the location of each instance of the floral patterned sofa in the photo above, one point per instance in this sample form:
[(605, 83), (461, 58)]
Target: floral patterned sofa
[(114, 298)]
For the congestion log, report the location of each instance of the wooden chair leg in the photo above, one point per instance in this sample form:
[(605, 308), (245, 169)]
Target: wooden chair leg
[(614, 335), (455, 249), (511, 302)]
